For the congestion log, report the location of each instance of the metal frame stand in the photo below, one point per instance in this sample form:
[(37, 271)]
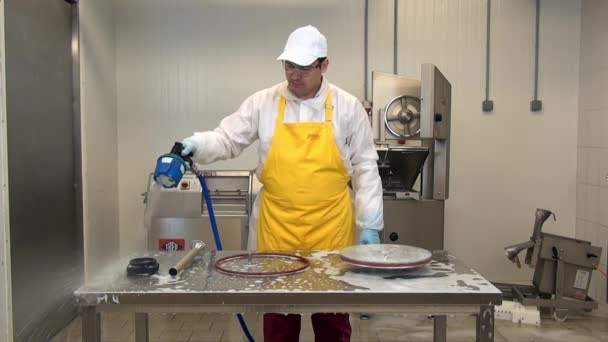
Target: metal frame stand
[(141, 327), (440, 328), (559, 305), (485, 324), (91, 324)]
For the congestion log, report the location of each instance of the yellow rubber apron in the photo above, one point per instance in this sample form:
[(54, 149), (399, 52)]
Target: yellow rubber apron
[(306, 203)]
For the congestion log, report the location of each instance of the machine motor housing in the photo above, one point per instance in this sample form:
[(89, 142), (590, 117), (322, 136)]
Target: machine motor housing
[(578, 259)]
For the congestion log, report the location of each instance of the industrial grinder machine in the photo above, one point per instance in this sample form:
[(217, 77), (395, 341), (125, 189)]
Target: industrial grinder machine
[(410, 120)]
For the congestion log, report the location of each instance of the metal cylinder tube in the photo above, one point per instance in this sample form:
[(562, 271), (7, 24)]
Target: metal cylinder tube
[(197, 247)]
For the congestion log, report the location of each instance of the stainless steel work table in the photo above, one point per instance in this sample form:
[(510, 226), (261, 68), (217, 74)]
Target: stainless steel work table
[(443, 288)]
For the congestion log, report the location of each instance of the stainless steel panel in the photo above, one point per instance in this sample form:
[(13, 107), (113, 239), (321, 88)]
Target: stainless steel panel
[(76, 130), (229, 191), (232, 230), (577, 259), (545, 276), (174, 202), (46, 240), (573, 251), (437, 103), (181, 214), (428, 171), (442, 126), (441, 170), (414, 223), (435, 131), (386, 87)]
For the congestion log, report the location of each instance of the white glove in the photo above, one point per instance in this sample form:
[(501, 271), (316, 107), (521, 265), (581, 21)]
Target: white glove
[(188, 147)]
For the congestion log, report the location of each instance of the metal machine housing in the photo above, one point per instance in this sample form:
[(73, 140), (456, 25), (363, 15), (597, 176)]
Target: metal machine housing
[(175, 217), (563, 268), (413, 206)]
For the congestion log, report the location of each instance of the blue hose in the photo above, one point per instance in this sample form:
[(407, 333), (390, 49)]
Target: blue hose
[(218, 245), (207, 197)]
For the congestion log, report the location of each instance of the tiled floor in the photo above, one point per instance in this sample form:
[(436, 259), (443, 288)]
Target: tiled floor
[(216, 328)]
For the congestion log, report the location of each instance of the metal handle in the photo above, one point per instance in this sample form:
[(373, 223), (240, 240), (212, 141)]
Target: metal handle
[(197, 247), (540, 217), (228, 197), (513, 251)]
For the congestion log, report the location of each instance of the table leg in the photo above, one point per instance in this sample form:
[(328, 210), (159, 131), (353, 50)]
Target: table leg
[(91, 324), (485, 324), (440, 329), (141, 327)]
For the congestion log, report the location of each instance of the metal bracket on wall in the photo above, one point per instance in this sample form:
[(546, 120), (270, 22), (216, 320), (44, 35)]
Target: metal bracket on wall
[(488, 105), (536, 104), (72, 2)]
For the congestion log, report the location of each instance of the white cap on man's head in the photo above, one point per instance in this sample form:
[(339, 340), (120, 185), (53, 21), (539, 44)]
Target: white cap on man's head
[(304, 46)]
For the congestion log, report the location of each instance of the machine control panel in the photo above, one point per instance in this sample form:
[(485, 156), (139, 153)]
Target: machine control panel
[(189, 182)]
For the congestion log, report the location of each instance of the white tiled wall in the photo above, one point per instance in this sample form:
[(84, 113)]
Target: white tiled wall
[(99, 134), (592, 171)]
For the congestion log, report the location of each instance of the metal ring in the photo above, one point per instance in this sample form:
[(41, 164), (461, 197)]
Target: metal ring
[(223, 260)]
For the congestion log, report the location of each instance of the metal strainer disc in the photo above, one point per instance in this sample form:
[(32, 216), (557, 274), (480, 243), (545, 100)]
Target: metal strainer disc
[(386, 256), (402, 116)]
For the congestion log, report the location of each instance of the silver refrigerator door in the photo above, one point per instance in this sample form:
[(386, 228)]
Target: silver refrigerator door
[(43, 166)]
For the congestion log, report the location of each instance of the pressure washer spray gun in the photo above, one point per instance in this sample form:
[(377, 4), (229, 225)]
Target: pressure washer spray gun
[(171, 167)]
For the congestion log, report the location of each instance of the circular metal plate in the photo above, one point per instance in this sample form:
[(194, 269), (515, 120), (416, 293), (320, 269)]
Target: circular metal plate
[(386, 256), (262, 264), (402, 116)]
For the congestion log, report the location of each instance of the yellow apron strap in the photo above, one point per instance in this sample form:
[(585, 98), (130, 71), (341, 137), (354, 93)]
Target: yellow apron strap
[(329, 107), (281, 113)]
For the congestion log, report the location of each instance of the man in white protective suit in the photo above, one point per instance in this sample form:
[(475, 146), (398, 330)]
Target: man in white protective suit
[(315, 138)]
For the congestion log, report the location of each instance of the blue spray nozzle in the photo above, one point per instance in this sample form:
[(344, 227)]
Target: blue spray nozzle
[(171, 167)]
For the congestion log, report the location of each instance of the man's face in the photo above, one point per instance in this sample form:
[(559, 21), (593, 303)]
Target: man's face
[(304, 81)]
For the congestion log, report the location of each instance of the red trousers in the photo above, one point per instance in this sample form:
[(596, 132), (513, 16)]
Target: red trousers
[(328, 327)]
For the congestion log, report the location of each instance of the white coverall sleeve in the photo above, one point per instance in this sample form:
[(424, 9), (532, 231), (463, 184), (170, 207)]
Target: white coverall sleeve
[(235, 133), (366, 181)]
